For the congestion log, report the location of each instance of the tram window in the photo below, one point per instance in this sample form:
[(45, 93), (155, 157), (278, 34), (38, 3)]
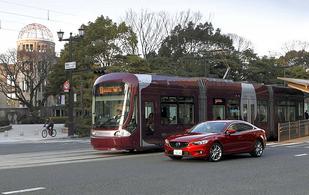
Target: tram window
[(218, 112), (148, 109), (177, 110), (186, 114), (262, 111), (168, 113), (233, 110), (245, 112)]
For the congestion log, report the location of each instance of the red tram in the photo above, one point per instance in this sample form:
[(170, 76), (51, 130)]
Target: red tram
[(136, 111)]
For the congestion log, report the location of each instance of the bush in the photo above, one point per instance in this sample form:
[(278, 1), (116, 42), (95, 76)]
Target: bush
[(31, 120), (83, 126), (4, 122), (59, 119)]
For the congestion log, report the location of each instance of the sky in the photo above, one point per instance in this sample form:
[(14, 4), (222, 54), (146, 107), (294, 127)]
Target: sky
[(268, 24)]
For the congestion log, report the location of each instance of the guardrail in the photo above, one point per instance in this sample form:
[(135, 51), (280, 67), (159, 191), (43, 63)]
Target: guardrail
[(293, 130)]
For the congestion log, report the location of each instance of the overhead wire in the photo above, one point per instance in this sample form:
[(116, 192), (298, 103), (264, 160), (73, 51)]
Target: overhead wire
[(48, 18), (34, 7)]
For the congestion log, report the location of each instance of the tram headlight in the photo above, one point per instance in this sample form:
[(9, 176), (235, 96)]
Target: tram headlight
[(93, 133)]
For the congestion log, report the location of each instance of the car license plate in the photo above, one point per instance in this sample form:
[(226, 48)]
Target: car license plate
[(177, 152)]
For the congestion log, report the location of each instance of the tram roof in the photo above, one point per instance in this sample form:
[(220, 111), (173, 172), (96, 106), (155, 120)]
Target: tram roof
[(300, 84)]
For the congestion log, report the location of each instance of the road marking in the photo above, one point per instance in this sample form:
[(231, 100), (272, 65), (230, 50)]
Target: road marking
[(298, 155), (271, 143), (13, 161), (25, 190), (298, 145)]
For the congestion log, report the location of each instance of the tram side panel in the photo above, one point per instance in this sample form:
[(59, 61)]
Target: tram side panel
[(223, 100), (174, 109)]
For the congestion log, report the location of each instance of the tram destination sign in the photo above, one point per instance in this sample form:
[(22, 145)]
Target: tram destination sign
[(69, 65)]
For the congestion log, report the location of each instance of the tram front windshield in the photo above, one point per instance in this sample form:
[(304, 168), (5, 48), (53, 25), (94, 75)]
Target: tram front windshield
[(110, 105)]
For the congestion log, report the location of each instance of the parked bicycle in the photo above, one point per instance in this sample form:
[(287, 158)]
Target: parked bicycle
[(52, 132)]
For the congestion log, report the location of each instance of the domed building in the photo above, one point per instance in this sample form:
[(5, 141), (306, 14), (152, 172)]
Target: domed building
[(35, 37), (35, 59)]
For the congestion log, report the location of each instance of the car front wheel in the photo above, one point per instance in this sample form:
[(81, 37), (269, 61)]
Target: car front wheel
[(215, 153), (258, 149)]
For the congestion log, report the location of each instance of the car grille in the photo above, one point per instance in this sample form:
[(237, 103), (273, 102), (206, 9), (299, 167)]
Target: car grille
[(179, 144)]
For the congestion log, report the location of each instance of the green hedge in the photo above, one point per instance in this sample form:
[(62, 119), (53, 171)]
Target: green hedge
[(59, 119), (4, 122), (31, 120), (83, 126)]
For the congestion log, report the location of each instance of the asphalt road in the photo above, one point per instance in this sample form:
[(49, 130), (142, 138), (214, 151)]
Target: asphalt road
[(41, 146), (283, 169)]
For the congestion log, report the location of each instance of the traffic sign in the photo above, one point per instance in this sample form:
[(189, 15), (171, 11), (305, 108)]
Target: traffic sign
[(66, 86), (69, 65)]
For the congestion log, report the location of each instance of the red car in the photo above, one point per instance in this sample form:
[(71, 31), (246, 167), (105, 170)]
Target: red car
[(213, 139)]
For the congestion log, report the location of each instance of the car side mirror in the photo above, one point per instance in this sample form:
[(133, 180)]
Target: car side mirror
[(230, 131), (187, 130)]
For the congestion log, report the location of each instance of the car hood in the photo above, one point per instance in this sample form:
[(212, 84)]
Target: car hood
[(190, 137)]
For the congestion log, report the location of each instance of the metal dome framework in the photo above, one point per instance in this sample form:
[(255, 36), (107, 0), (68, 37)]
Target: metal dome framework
[(35, 31)]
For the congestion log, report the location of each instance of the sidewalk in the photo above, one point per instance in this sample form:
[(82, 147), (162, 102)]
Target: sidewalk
[(29, 132), (301, 139)]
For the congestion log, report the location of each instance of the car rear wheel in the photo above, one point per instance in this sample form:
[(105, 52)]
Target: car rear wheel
[(176, 157), (258, 149), (215, 153)]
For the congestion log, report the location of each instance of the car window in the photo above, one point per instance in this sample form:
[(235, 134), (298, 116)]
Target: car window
[(240, 127), (245, 127), (209, 127), (234, 127)]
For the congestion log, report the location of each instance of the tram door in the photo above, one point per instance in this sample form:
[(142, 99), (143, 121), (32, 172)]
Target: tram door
[(148, 122), (248, 103)]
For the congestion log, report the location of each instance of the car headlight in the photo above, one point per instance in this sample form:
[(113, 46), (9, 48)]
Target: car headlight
[(200, 142), (167, 141)]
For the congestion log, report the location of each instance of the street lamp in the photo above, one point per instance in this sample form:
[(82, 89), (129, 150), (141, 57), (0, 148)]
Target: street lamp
[(70, 70)]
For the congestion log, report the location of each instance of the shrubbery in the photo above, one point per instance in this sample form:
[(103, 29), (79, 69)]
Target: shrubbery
[(59, 119), (31, 120), (4, 122), (83, 126)]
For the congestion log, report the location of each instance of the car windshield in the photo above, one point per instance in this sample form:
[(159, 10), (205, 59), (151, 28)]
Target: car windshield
[(110, 105), (209, 127)]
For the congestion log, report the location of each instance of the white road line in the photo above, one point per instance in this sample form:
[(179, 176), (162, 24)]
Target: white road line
[(291, 144), (271, 143), (44, 161), (298, 155), (25, 190), (298, 145)]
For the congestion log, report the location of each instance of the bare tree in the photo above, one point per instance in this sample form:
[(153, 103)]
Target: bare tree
[(295, 45), (240, 43), (153, 27), (23, 77)]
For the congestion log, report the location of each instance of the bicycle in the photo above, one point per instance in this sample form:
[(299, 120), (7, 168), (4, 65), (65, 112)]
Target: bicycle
[(46, 131)]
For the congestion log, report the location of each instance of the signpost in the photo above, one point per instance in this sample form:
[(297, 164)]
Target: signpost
[(69, 65)]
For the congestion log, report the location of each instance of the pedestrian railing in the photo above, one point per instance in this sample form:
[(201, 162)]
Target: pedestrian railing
[(293, 130)]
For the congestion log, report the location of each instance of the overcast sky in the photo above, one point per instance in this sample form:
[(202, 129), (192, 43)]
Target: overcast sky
[(268, 24)]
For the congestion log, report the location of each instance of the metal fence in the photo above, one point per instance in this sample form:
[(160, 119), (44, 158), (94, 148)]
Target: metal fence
[(292, 130)]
